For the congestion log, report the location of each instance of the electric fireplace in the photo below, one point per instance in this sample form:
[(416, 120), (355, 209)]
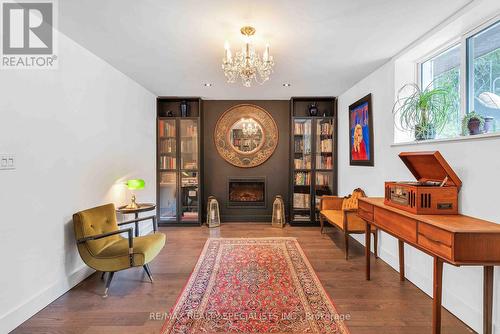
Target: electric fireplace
[(248, 192)]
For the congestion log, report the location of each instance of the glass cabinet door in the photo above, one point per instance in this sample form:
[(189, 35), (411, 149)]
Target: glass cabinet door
[(189, 196), (302, 159), (324, 144), (167, 150), (168, 196), (323, 183), (302, 144), (189, 144), (323, 186), (167, 145)]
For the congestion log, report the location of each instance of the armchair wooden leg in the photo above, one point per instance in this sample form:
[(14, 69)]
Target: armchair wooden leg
[(148, 272), (346, 238), (375, 243), (108, 283), (102, 275), (321, 223)]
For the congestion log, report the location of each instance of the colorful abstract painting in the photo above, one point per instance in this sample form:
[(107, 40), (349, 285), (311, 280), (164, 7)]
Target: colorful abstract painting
[(361, 132)]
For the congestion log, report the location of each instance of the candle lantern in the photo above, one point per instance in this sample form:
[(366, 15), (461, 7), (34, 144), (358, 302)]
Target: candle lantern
[(213, 216), (278, 212)]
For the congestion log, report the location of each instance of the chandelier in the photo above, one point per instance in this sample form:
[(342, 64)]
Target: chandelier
[(247, 64), (249, 128)]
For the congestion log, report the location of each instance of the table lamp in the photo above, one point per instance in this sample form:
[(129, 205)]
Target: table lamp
[(135, 184)]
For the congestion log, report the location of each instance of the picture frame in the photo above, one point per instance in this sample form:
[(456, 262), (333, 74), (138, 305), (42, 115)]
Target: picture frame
[(361, 152)]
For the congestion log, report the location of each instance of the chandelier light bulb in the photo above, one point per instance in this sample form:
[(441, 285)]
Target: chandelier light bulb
[(266, 53), (227, 53)]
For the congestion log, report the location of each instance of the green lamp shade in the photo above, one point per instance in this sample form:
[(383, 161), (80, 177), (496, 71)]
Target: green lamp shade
[(136, 184)]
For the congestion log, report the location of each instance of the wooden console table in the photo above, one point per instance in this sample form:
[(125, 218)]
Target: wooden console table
[(455, 239)]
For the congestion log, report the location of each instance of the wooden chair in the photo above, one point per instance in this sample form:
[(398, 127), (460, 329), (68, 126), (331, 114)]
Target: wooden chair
[(341, 212)]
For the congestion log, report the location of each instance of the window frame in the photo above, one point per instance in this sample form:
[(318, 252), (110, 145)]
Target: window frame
[(461, 40), (469, 62), (434, 54), (445, 47)]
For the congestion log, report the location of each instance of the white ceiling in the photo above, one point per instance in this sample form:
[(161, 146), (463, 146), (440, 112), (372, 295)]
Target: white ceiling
[(321, 47)]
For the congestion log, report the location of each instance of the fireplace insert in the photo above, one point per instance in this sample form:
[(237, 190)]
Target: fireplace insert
[(248, 192)]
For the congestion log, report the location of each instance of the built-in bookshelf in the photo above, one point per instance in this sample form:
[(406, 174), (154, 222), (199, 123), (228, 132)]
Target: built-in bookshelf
[(313, 160), (179, 159)]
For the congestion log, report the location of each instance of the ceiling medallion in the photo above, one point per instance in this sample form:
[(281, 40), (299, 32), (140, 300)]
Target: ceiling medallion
[(247, 64)]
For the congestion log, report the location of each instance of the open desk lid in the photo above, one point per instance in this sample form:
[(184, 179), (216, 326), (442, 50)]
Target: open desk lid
[(430, 166)]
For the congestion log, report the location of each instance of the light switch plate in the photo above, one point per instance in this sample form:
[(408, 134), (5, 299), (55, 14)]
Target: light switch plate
[(7, 161)]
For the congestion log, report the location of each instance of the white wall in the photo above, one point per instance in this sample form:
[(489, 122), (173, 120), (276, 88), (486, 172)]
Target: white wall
[(76, 133), (477, 162)]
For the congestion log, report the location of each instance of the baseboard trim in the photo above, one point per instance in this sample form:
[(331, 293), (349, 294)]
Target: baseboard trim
[(12, 319), (23, 312)]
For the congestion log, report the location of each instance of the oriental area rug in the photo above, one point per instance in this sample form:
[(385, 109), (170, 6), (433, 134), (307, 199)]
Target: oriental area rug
[(262, 285)]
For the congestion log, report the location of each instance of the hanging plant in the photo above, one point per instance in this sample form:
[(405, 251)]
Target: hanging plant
[(424, 112)]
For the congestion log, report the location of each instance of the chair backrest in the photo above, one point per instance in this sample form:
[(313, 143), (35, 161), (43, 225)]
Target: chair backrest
[(351, 202), (98, 220)]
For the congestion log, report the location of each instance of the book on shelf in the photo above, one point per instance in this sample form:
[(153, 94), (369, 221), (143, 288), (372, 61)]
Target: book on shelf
[(189, 215), (299, 146), (302, 163), (168, 178), (168, 215), (190, 164), (166, 129), (161, 128), (299, 217), (189, 181), (191, 131), (302, 128), (189, 146), (326, 129), (302, 178), (167, 162), (323, 179), (301, 201), (324, 162), (326, 146), (167, 145)]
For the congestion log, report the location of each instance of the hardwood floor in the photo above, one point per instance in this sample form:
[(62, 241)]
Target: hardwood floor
[(382, 305)]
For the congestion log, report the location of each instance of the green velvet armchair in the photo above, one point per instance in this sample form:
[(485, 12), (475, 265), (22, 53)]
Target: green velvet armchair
[(102, 247)]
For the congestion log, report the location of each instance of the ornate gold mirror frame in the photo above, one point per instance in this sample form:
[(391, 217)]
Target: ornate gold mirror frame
[(266, 147)]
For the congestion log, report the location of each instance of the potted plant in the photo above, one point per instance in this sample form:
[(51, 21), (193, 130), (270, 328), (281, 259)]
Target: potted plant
[(472, 124), (422, 111), (489, 124)]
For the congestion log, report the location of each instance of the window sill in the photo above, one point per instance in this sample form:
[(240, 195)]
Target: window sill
[(445, 140)]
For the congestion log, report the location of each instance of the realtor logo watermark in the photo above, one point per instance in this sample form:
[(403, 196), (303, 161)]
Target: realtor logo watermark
[(28, 36)]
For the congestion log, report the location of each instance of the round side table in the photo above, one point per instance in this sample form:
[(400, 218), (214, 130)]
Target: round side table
[(143, 207)]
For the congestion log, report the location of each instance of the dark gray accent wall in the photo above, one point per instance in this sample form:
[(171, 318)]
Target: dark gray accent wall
[(217, 170)]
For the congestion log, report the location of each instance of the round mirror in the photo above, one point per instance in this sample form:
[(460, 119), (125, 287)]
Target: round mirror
[(246, 135)]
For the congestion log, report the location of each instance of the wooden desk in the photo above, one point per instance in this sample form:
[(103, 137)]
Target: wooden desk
[(454, 239)]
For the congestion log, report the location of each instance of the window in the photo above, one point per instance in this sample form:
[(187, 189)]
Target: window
[(483, 67), (469, 70), (443, 71)]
